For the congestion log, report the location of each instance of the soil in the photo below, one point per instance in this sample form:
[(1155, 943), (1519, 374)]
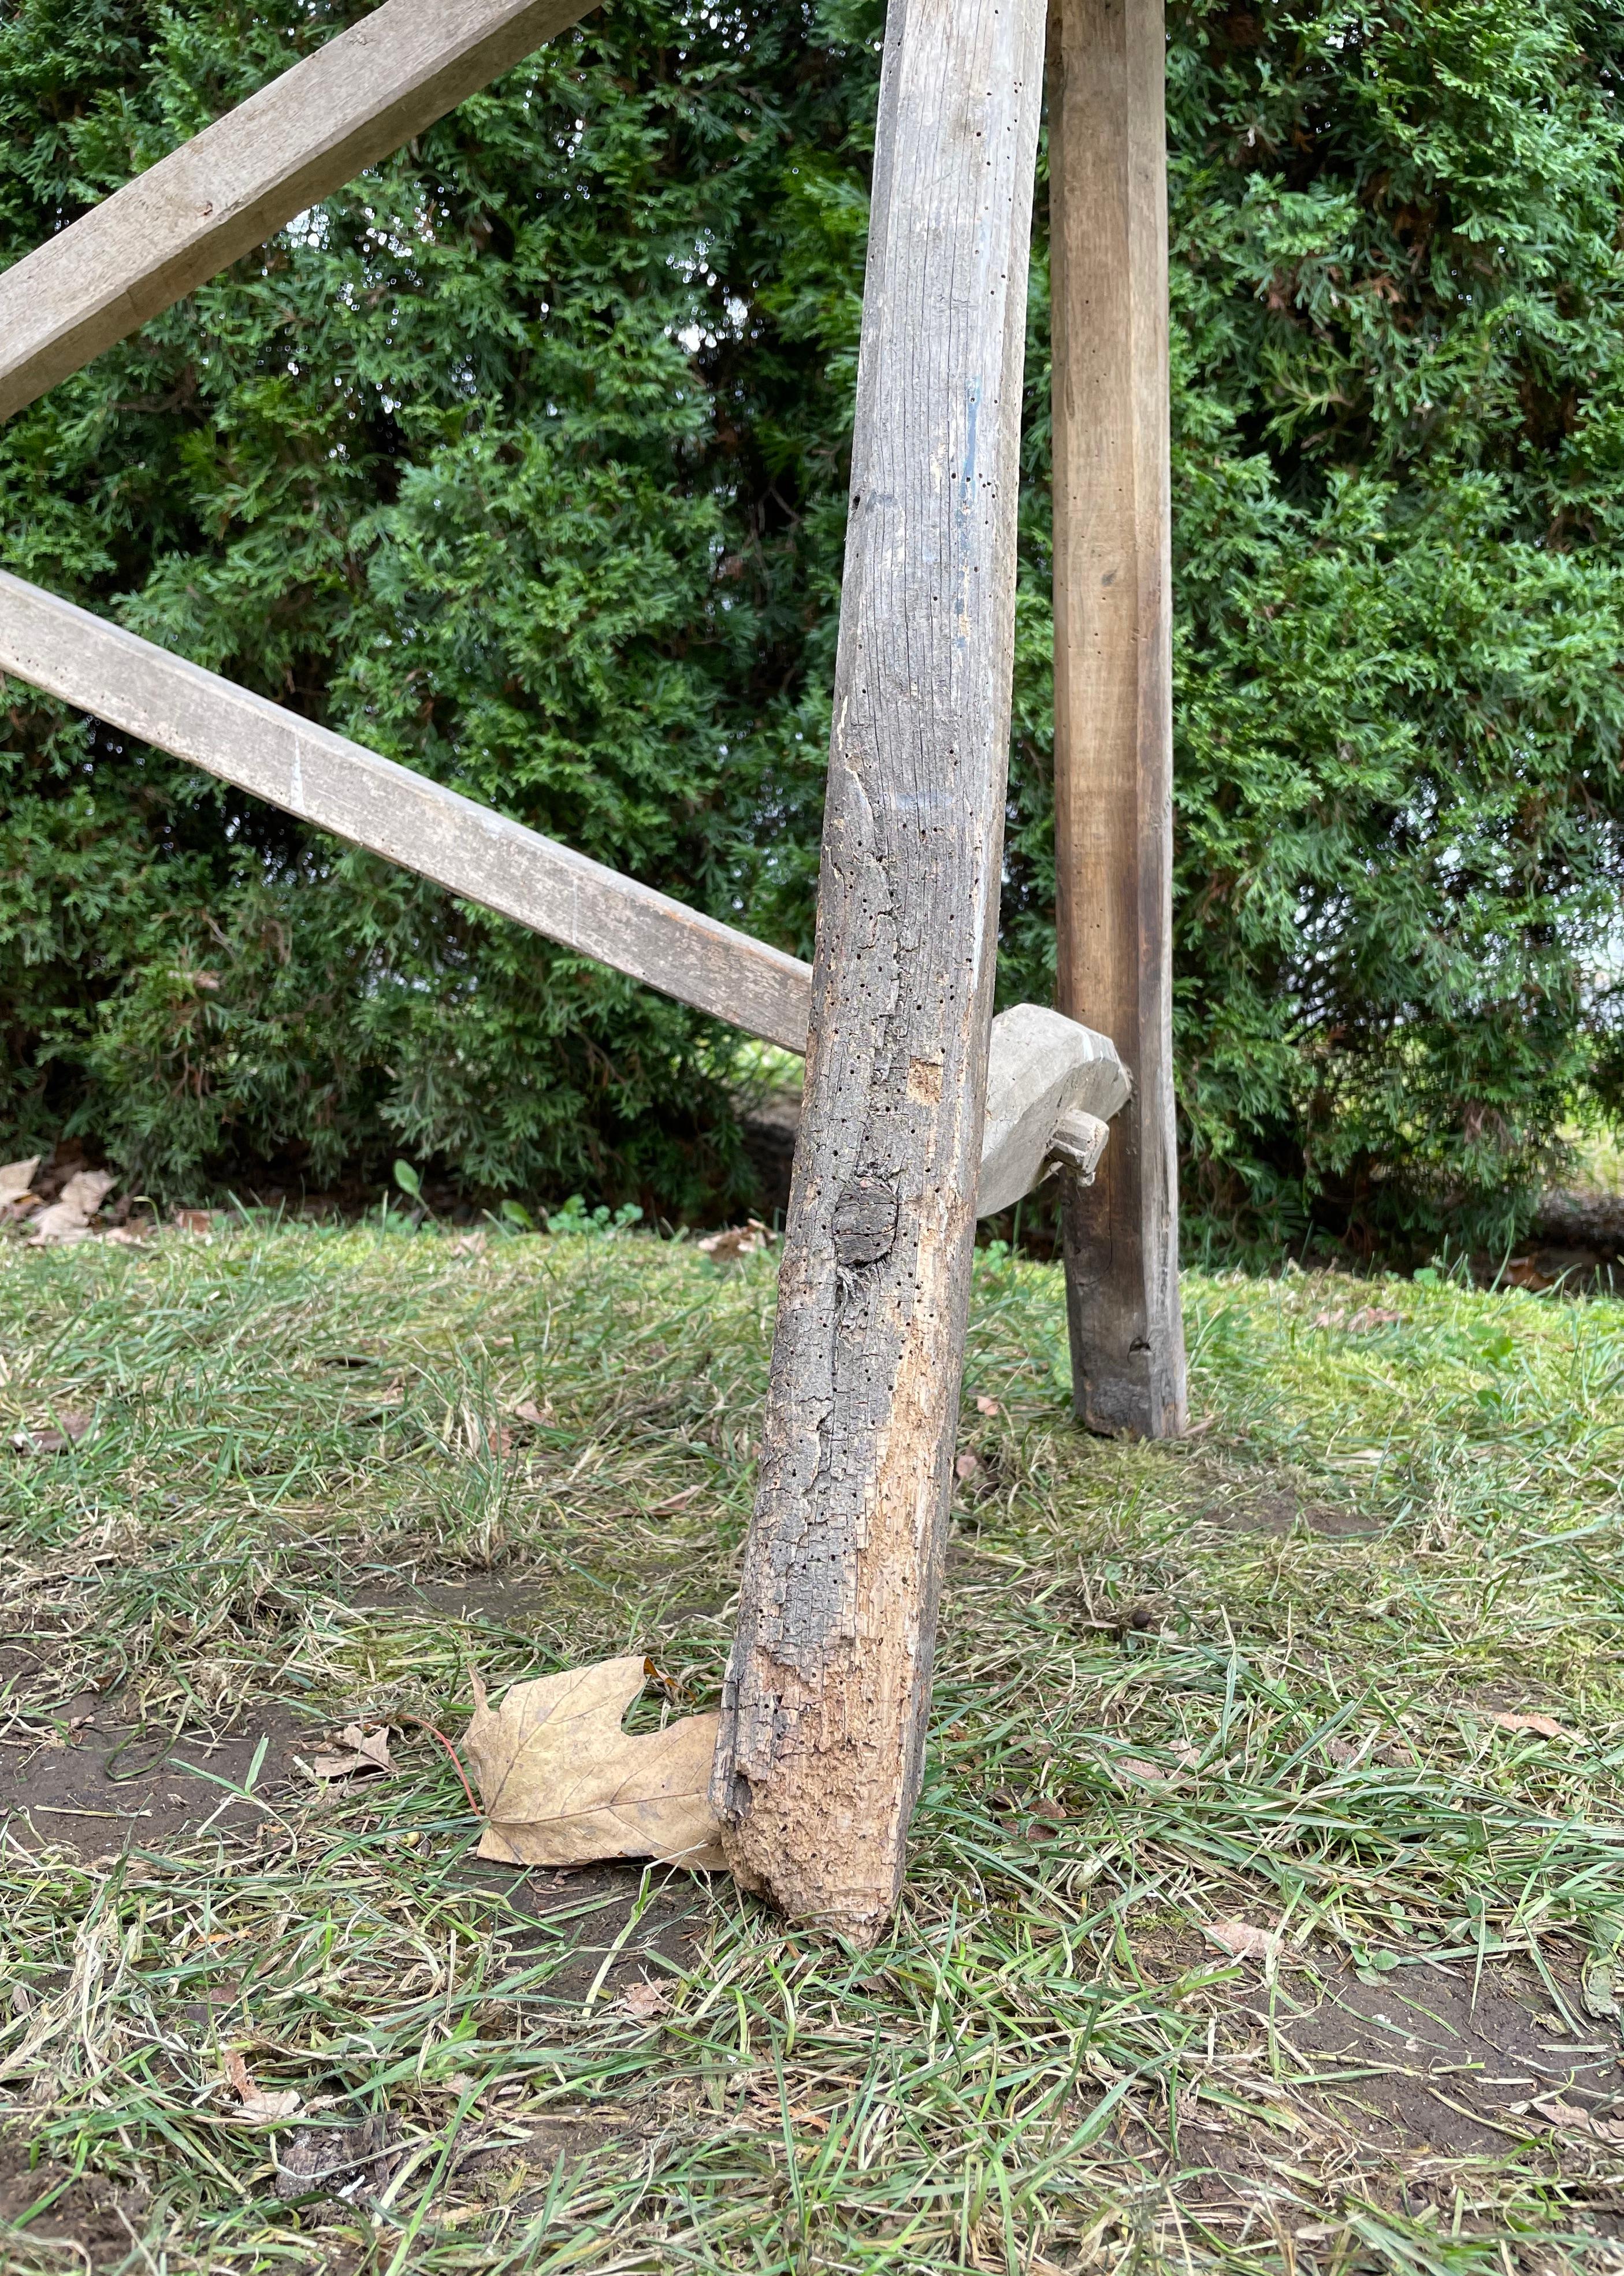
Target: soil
[(591, 1910), (88, 2222), (1280, 1514), (1443, 2061), (112, 1786), (1392, 2081)]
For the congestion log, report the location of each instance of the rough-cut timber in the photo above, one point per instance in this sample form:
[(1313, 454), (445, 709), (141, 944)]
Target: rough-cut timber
[(351, 103), (342, 786), (1112, 689), (819, 1756)]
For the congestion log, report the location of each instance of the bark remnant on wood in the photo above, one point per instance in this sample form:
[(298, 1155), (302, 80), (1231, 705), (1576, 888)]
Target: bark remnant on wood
[(1114, 689), (820, 1752)]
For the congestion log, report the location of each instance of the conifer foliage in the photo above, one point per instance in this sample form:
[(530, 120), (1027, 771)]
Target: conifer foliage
[(523, 461)]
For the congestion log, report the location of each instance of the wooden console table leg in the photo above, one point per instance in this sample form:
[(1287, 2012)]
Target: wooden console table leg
[(1113, 690), (827, 1692)]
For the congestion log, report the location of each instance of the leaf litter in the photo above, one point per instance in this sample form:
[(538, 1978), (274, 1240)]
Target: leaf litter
[(256, 2106), (15, 1179), (68, 1217), (365, 1748)]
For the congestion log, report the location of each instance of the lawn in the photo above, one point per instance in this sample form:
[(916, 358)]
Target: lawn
[(1263, 1902)]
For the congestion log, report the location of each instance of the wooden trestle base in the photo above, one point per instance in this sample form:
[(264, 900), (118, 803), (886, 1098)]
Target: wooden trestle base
[(905, 1134)]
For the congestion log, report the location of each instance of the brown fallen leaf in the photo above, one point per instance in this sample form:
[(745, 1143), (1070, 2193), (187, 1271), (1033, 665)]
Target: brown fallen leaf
[(1373, 1316), (1245, 1941), (259, 2109), (469, 1244), (193, 1220), (364, 1749), (15, 1179), (985, 1405), (644, 2000), (965, 1466), (564, 1785), (68, 1216), (71, 1427), (1544, 1727), (1573, 2119), (528, 1411), (738, 1241), (1388, 1752), (1138, 1766)]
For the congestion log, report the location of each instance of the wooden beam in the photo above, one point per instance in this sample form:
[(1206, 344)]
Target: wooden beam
[(1044, 1069), (1114, 689), (824, 1703), (339, 786), (341, 109)]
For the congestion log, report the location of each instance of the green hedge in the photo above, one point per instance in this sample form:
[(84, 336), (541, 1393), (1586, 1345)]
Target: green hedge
[(523, 460)]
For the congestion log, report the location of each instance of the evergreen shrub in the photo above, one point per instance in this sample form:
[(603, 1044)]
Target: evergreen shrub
[(523, 460)]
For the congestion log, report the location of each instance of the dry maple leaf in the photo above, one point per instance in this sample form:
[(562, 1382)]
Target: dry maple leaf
[(68, 1216), (1245, 1941), (644, 2000), (364, 1751), (1544, 1727), (564, 1785), (738, 1241), (15, 1179), (1140, 1766)]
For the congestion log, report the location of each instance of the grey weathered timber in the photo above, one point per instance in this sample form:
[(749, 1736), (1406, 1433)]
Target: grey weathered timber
[(342, 786), (824, 1702), (351, 103), (1042, 1069), (1112, 688)]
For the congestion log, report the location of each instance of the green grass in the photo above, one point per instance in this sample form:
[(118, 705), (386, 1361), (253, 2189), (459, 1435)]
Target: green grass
[(1164, 1701)]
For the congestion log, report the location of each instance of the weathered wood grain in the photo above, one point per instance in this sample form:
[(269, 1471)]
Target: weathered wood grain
[(351, 103), (1041, 1068), (340, 786), (819, 1756), (1114, 688)]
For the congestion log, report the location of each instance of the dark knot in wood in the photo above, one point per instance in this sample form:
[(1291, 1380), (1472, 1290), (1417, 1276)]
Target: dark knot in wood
[(865, 1221)]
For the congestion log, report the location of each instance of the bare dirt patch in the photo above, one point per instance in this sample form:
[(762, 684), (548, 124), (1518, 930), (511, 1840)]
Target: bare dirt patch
[(1324, 2082), (51, 2219), (104, 1785), (614, 1944)]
